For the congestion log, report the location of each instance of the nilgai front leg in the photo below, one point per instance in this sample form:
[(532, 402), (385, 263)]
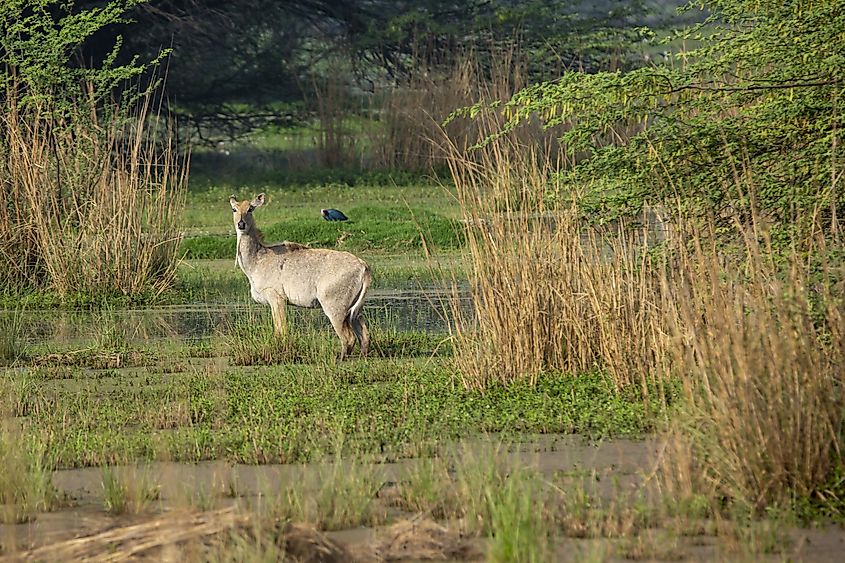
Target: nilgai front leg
[(278, 308)]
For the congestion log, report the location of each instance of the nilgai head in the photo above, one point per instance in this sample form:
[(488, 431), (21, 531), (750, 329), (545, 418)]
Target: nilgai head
[(244, 221)]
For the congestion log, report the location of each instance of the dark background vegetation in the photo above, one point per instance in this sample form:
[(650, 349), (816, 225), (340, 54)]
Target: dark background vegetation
[(238, 65)]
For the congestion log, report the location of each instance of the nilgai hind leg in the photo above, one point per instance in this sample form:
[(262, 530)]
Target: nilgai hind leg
[(344, 332), (359, 327)]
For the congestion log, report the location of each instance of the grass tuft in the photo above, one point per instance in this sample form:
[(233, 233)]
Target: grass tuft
[(520, 528), (128, 489), (26, 486), (12, 346), (253, 341)]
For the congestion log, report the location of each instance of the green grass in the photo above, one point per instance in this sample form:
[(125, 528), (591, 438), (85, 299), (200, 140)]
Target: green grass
[(26, 479), (334, 496), (393, 407), (521, 528), (382, 230), (207, 209), (128, 489), (11, 338)]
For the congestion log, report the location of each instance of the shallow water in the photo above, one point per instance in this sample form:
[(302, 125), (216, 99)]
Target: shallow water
[(401, 310)]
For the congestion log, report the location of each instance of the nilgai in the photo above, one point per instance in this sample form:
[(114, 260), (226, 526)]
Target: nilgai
[(307, 277)]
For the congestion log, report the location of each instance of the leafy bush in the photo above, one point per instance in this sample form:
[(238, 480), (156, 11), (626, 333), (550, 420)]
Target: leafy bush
[(745, 123)]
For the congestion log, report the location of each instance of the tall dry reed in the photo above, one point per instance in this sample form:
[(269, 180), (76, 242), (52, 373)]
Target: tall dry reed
[(413, 111), (91, 204), (337, 144), (754, 336), (548, 293), (760, 349)]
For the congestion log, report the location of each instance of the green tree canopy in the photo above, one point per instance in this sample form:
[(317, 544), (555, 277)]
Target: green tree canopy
[(750, 116), (241, 63)]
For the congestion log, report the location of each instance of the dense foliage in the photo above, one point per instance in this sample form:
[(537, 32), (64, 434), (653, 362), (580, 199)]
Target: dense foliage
[(41, 43), (91, 183), (240, 64), (749, 119)]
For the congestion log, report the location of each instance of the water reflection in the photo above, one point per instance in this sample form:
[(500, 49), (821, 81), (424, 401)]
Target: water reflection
[(423, 310)]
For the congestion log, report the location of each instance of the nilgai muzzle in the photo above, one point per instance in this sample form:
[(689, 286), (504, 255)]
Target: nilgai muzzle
[(307, 277)]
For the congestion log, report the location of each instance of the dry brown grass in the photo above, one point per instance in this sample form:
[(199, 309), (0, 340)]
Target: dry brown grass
[(413, 135), (755, 337), (337, 145), (760, 349), (548, 293), (91, 201), (417, 539), (230, 535)]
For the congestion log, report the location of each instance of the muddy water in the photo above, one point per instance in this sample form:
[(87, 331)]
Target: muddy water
[(608, 469), (401, 310), (614, 466)]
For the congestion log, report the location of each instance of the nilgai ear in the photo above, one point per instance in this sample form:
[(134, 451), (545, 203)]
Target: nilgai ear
[(259, 200), (233, 202)]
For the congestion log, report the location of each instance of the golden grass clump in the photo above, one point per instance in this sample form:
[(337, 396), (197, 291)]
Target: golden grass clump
[(548, 293), (760, 350), (91, 200)]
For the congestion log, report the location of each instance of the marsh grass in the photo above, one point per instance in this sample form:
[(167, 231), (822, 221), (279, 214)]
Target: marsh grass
[(478, 469), (252, 340), (330, 496), (94, 199), (413, 112), (347, 497), (390, 342), (751, 334), (760, 349), (520, 524), (578, 510), (129, 489), (26, 479), (23, 394), (651, 545), (12, 346), (108, 347), (548, 293), (428, 487)]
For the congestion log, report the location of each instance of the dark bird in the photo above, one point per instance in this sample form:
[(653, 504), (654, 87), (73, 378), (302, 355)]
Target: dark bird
[(333, 215)]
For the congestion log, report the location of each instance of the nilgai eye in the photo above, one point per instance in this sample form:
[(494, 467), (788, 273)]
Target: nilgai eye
[(251, 209)]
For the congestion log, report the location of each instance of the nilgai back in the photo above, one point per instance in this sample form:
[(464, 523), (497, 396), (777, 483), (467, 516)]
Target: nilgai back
[(306, 277)]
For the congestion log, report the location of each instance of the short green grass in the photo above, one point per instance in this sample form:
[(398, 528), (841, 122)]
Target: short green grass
[(374, 229), (390, 407)]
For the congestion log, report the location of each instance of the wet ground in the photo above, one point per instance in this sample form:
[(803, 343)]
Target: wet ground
[(401, 310), (609, 469)]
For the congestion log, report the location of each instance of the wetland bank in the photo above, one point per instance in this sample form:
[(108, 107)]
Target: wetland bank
[(607, 317)]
